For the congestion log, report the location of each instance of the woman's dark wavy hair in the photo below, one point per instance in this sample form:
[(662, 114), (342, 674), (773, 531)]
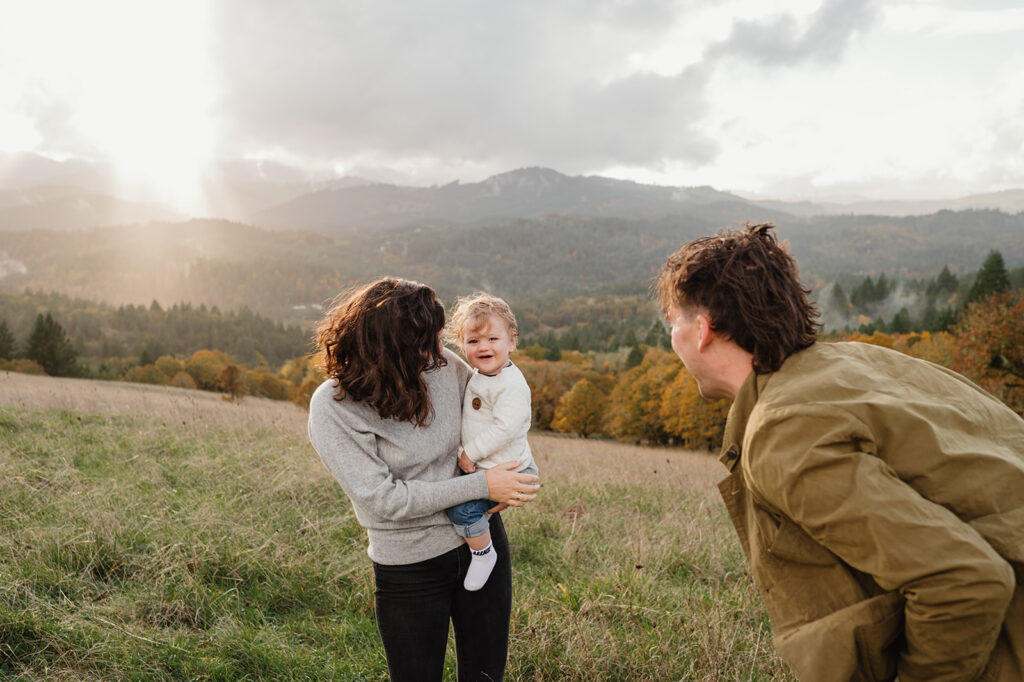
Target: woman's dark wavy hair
[(748, 284), (377, 340)]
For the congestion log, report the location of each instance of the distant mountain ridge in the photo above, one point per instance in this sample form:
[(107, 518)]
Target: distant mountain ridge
[(526, 193), (1008, 201), (64, 208), (276, 194)]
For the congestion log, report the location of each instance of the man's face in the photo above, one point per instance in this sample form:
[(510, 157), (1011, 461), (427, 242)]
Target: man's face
[(684, 333), (685, 343)]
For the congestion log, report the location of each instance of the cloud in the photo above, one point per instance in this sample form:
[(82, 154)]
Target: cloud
[(496, 84), (484, 87), (780, 40)]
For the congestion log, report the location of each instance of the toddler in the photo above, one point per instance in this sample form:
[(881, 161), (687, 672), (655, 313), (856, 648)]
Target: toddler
[(495, 416)]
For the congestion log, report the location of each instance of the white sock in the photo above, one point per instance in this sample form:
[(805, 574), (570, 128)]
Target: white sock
[(480, 567)]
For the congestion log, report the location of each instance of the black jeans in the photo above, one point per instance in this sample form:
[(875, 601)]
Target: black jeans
[(415, 602)]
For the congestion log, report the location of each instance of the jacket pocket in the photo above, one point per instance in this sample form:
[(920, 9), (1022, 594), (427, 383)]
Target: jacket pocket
[(880, 643), (860, 643)]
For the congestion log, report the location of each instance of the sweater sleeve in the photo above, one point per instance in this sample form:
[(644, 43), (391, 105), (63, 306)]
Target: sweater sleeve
[(512, 414), (351, 456), (827, 480)]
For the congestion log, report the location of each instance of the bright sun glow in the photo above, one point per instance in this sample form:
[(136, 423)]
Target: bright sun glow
[(128, 81)]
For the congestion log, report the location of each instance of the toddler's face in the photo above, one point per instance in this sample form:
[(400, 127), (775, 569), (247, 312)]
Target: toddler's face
[(487, 343)]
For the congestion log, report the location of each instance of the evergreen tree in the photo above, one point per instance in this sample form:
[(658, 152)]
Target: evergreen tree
[(553, 352), (839, 300), (49, 345), (635, 357), (946, 281), (657, 337), (569, 341), (992, 278), (6, 342), (882, 288), (900, 322)]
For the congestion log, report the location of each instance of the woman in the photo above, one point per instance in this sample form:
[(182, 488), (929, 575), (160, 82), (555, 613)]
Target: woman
[(387, 424)]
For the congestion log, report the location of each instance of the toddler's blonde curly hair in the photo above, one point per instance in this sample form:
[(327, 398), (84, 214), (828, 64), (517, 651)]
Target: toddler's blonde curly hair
[(471, 311)]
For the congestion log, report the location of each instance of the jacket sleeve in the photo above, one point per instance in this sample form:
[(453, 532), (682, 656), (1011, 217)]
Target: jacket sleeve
[(512, 414), (817, 467), (351, 456)]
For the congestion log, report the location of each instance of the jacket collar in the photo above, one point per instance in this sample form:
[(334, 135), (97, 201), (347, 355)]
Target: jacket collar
[(739, 415)]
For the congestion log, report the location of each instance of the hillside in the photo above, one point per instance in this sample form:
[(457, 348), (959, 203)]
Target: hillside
[(165, 534), (64, 208), (286, 274)]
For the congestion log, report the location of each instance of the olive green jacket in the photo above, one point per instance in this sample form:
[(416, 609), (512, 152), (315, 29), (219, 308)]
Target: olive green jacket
[(880, 502)]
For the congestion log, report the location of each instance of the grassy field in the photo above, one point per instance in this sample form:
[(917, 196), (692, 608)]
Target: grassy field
[(156, 533)]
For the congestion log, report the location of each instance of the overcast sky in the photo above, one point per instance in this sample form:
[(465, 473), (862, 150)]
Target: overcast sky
[(802, 99)]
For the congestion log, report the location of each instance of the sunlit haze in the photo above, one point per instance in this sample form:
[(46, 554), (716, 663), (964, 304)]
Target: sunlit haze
[(839, 100), (125, 81)]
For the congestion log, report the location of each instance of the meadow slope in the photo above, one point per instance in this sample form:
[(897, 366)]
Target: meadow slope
[(159, 533)]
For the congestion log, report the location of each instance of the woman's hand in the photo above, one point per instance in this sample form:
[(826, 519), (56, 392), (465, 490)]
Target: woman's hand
[(508, 488), (466, 464)]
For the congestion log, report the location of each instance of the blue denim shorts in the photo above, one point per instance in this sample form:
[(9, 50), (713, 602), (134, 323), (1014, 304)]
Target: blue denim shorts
[(471, 518)]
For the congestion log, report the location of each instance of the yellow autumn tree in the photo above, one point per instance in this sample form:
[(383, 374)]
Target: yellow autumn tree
[(169, 366), (696, 421), (205, 367), (580, 410), (634, 405), (549, 381)]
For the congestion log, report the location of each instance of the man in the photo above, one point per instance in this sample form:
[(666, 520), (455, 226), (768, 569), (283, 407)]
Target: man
[(879, 498)]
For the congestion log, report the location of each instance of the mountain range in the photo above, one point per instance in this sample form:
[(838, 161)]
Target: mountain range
[(36, 192)]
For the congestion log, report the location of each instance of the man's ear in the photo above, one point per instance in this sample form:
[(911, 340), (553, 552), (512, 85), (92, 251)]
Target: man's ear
[(704, 332)]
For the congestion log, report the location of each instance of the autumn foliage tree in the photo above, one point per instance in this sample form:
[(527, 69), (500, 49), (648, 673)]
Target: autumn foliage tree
[(580, 410), (230, 381), (989, 347), (549, 381), (696, 421), (634, 406), (205, 367)]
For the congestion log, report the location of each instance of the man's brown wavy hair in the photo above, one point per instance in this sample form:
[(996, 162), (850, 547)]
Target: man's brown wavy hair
[(749, 287), (377, 341)]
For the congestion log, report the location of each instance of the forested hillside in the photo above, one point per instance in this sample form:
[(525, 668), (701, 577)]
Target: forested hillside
[(144, 333), (534, 263)]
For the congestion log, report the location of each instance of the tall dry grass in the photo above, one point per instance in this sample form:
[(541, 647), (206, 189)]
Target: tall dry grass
[(156, 533)]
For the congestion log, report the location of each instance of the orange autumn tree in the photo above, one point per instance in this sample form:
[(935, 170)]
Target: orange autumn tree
[(989, 346), (689, 416), (634, 406), (549, 381)]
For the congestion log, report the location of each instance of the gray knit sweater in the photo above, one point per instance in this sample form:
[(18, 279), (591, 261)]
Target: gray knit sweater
[(400, 477)]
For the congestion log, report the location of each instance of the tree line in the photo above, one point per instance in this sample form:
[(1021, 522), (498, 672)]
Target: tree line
[(106, 336), (637, 392)]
